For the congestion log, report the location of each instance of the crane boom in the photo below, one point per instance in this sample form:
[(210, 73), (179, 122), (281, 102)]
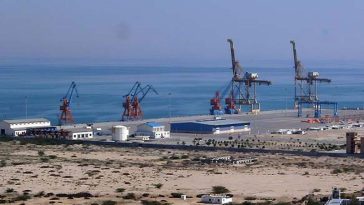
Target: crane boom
[(66, 114), (295, 59), (232, 51)]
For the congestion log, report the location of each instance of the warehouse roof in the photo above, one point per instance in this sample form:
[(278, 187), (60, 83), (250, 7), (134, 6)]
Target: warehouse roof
[(221, 122), (77, 130), (153, 124), (26, 120)]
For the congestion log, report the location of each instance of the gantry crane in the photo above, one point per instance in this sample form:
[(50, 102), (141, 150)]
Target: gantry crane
[(66, 114), (306, 87), (131, 105), (242, 88)]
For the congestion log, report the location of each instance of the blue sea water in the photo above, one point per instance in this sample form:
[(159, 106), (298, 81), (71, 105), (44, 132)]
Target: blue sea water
[(182, 90)]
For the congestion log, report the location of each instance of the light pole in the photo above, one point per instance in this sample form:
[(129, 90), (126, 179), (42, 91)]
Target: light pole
[(26, 107), (169, 106), (286, 96)]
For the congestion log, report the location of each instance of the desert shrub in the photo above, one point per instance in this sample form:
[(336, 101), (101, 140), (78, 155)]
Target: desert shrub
[(158, 186), (146, 202), (44, 159), (120, 190), (41, 153), (311, 201), (130, 196), (199, 195), (174, 157), (176, 195), (52, 156), (250, 198), (2, 163), (39, 194), (9, 190), (336, 171), (283, 203), (108, 202), (220, 190), (23, 197), (145, 195)]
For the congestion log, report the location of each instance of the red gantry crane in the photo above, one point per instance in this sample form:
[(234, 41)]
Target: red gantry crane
[(131, 105), (66, 114)]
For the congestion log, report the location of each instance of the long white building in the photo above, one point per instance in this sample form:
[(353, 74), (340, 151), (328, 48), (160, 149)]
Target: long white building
[(19, 127)]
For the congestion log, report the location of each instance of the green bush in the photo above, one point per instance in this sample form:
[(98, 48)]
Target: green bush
[(41, 153), (9, 190), (176, 195), (2, 163), (108, 202), (158, 186), (145, 202), (130, 196), (220, 190), (22, 198), (250, 198), (336, 171), (44, 159), (120, 190)]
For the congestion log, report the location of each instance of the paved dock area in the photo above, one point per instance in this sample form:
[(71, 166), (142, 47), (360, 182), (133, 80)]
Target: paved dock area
[(263, 122)]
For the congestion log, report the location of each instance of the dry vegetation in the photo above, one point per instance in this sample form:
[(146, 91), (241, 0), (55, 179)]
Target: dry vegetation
[(80, 174)]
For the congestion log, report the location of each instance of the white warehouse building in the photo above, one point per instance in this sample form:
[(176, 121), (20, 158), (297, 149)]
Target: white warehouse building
[(153, 129), (80, 134), (19, 127)]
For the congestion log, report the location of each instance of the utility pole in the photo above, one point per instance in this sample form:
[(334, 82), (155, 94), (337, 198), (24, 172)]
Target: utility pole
[(26, 107), (169, 106)]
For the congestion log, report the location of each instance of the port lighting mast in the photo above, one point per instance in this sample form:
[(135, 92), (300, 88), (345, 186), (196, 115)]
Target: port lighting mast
[(132, 101), (66, 116), (242, 87)]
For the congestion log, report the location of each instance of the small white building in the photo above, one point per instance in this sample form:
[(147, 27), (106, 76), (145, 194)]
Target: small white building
[(216, 199), (80, 134), (153, 129), (19, 127)]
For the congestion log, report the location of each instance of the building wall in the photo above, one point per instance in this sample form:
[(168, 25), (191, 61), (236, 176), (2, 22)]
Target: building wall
[(82, 135), (155, 135), (200, 128), (216, 199), (191, 127), (156, 132), (350, 142), (30, 125), (5, 129), (15, 129)]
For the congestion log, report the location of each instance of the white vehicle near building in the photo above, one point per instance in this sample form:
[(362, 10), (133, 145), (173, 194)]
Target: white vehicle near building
[(19, 127)]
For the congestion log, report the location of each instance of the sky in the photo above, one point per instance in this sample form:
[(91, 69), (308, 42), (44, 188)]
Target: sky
[(187, 32)]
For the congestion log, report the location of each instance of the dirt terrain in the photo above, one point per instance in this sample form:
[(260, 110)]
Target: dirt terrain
[(88, 174)]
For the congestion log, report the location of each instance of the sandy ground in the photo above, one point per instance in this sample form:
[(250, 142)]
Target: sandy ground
[(100, 171)]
